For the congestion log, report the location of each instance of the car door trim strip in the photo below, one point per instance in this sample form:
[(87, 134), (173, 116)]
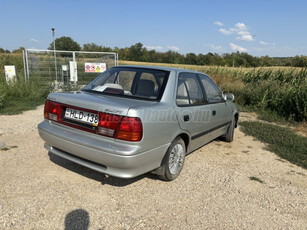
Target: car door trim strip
[(209, 131)]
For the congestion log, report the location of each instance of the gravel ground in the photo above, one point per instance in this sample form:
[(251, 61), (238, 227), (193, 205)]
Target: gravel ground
[(214, 190)]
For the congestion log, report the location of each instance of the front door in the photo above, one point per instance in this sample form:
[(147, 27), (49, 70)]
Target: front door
[(220, 116)]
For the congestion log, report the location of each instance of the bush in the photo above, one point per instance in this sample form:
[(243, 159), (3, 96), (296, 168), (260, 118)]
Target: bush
[(11, 59), (22, 95), (2, 95)]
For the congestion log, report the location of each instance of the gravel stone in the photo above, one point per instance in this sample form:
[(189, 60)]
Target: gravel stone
[(2, 144)]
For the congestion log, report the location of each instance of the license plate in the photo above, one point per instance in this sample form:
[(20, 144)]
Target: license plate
[(81, 116)]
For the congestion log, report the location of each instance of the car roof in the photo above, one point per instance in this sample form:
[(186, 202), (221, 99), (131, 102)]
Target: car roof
[(160, 68)]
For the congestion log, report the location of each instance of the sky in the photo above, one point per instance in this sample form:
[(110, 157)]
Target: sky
[(276, 28)]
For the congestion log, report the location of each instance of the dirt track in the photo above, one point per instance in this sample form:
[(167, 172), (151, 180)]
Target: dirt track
[(214, 190)]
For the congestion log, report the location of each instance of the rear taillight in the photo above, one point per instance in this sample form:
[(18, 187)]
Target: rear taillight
[(124, 128), (130, 129), (53, 111)]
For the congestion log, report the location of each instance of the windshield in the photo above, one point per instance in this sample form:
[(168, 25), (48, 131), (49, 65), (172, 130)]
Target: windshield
[(130, 82)]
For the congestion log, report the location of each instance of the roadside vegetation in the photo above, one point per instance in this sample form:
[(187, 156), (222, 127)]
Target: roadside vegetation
[(19, 95), (280, 140)]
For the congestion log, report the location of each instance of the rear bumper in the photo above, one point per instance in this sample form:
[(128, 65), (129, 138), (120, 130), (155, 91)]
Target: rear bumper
[(105, 155)]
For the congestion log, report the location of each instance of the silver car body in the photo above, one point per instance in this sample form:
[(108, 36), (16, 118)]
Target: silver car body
[(162, 122)]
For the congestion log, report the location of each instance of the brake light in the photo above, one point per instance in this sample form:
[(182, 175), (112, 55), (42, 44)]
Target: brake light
[(124, 128), (53, 111), (130, 129), (108, 124)]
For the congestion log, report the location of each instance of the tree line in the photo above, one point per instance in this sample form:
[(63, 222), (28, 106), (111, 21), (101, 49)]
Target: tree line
[(138, 52)]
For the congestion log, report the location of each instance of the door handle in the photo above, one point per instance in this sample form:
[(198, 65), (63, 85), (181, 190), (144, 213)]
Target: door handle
[(186, 117), (213, 112)]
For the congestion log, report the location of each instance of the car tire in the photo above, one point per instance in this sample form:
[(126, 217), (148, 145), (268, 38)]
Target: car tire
[(230, 131), (173, 160)]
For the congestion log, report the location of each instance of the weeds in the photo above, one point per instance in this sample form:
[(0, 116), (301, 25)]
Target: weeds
[(15, 97), (271, 116)]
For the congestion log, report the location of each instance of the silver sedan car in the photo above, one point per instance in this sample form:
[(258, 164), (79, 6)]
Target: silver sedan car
[(136, 119)]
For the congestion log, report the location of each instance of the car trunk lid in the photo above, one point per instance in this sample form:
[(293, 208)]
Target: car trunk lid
[(93, 102)]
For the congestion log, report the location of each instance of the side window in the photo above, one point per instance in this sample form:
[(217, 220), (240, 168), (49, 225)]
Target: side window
[(182, 93), (214, 94), (188, 90)]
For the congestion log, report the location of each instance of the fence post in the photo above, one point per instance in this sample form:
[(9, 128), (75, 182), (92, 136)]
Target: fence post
[(56, 71), (24, 64), (27, 63), (74, 66)]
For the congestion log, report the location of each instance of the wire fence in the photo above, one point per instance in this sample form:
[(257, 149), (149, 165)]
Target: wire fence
[(64, 68)]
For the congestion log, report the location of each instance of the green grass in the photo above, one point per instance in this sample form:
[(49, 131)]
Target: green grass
[(271, 116), (282, 141), (16, 105), (247, 109)]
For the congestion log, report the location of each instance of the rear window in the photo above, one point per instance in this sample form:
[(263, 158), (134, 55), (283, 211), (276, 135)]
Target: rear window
[(138, 83)]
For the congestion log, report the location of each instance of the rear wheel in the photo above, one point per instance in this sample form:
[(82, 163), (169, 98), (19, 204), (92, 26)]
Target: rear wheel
[(173, 161)]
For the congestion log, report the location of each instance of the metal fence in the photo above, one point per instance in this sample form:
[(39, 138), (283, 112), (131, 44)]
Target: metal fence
[(63, 68)]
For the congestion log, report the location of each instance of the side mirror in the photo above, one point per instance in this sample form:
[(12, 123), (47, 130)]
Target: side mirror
[(229, 96)]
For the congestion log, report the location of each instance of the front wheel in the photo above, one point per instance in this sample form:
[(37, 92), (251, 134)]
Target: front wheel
[(173, 161), (230, 132)]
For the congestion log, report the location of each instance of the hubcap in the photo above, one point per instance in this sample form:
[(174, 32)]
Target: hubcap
[(176, 159)]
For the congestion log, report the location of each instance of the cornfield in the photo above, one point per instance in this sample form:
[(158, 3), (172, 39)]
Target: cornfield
[(282, 90)]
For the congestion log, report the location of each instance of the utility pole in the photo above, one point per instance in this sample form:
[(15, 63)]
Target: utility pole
[(55, 65)]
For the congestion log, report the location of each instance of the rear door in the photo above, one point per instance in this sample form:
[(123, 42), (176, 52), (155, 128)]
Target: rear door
[(192, 112)]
